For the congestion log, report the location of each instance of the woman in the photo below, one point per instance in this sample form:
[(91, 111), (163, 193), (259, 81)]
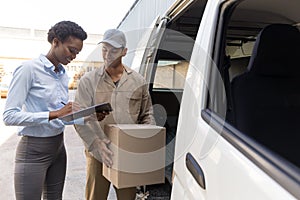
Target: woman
[(37, 97)]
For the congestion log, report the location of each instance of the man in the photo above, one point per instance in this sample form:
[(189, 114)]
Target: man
[(128, 94)]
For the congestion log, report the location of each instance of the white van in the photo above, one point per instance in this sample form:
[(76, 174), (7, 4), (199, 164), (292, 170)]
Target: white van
[(229, 97)]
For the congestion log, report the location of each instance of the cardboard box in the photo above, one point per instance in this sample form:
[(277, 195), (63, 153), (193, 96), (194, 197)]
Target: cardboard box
[(139, 154)]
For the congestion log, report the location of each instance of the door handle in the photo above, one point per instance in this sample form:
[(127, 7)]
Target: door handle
[(195, 170)]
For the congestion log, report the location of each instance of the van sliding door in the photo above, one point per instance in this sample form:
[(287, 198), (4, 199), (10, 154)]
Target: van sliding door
[(151, 50)]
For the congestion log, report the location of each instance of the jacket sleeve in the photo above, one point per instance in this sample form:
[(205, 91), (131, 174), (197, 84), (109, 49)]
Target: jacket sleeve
[(90, 131), (146, 113)]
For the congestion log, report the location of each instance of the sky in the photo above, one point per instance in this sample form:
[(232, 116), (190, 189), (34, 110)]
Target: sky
[(94, 16)]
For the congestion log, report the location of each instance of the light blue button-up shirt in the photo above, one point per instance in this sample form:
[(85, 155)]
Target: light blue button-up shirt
[(35, 90)]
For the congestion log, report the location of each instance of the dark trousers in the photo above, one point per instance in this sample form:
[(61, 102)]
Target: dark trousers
[(40, 168), (97, 186)]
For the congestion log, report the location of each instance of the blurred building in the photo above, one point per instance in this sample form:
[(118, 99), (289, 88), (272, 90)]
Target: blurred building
[(20, 44)]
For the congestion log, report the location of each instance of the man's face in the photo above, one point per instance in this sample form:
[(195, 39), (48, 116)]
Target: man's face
[(112, 56)]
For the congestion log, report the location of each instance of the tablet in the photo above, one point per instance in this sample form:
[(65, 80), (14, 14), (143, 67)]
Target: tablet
[(103, 107)]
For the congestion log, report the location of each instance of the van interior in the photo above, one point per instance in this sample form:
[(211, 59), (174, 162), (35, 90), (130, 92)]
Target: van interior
[(266, 107)]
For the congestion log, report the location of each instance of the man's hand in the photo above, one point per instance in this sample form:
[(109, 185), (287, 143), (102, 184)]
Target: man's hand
[(102, 147), (99, 116)]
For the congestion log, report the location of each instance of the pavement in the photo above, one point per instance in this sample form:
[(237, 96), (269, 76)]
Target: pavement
[(76, 166)]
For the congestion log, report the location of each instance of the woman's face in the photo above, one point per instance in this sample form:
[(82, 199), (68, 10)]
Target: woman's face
[(66, 51)]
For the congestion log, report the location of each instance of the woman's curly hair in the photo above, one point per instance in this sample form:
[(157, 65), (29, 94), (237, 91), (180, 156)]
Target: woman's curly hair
[(62, 30)]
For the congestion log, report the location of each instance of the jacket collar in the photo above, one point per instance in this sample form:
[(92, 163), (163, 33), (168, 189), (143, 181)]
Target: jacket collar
[(102, 70)]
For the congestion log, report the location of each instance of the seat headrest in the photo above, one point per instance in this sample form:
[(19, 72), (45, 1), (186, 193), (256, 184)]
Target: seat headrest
[(276, 52)]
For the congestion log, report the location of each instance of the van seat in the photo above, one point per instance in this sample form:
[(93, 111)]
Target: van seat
[(266, 98), (238, 66)]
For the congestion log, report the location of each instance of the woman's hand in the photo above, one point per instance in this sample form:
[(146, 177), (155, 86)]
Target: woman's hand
[(67, 109)]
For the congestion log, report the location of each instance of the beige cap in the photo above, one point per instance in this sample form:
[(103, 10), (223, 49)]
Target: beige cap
[(114, 37)]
